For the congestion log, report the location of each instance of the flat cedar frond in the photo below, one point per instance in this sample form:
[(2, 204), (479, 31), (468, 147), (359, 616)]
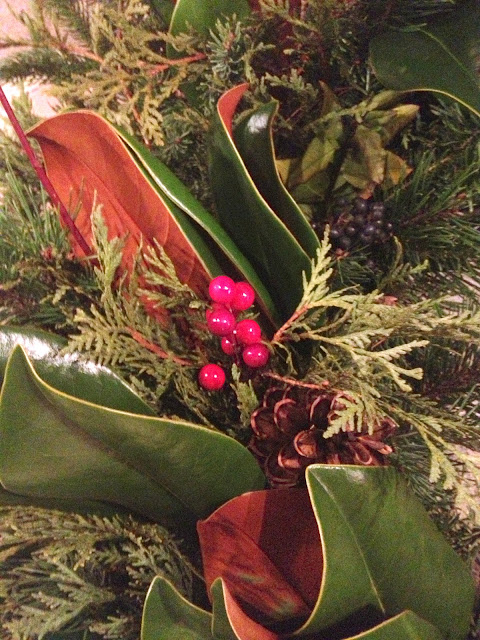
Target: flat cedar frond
[(63, 571), (367, 347), (120, 333), (247, 400)]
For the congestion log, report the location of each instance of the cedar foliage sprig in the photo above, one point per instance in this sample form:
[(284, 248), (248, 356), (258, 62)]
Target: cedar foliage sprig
[(117, 330), (66, 572), (151, 329), (365, 345)]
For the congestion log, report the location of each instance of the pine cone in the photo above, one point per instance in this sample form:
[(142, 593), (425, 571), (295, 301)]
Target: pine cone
[(288, 435)]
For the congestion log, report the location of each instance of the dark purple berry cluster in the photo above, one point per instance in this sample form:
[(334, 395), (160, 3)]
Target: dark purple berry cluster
[(359, 224), (240, 338)]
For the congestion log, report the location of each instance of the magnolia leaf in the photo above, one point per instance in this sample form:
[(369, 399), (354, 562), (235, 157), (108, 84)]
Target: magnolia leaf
[(254, 139), (53, 445), (240, 544), (88, 163), (175, 192), (365, 553), (163, 9), (167, 615), (202, 16), (438, 57), (392, 559), (274, 252), (70, 374), (87, 507), (405, 626), (230, 622)]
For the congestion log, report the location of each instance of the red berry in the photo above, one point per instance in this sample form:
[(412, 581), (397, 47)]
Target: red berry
[(228, 345), (248, 331), (243, 296), (256, 355), (211, 377), (221, 289), (215, 307), (221, 321)]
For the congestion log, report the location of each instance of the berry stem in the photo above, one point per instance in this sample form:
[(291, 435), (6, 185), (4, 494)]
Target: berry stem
[(278, 337), (44, 179), (137, 336), (297, 383)]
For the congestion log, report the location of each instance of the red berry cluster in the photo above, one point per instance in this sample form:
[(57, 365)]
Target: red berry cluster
[(238, 338)]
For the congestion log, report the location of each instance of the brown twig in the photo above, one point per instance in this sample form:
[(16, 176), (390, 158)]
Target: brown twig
[(175, 62), (137, 336), (44, 179), (279, 333), (297, 383)]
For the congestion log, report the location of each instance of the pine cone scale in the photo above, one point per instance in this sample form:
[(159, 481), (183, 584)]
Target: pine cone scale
[(288, 435)]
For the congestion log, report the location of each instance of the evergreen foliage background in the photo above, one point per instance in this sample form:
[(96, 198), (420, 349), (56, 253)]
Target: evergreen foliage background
[(110, 56)]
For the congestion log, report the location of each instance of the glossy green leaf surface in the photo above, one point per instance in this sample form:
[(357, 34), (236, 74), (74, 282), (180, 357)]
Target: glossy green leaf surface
[(439, 56), (383, 552), (58, 446), (175, 192), (231, 623), (69, 373), (360, 554), (202, 16), (9, 499), (167, 615), (254, 141), (247, 217), (405, 626)]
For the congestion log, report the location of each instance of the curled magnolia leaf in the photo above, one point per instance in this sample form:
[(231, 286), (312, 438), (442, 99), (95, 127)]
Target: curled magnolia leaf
[(88, 163), (343, 558)]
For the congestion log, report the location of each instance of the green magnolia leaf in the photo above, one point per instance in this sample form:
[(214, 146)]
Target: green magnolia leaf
[(274, 252), (167, 615), (53, 445), (69, 373), (9, 499), (405, 626), (202, 16), (176, 193), (438, 57), (382, 552), (231, 623), (163, 9), (254, 140), (360, 551)]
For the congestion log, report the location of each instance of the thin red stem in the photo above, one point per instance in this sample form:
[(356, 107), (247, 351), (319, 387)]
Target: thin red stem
[(44, 179)]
